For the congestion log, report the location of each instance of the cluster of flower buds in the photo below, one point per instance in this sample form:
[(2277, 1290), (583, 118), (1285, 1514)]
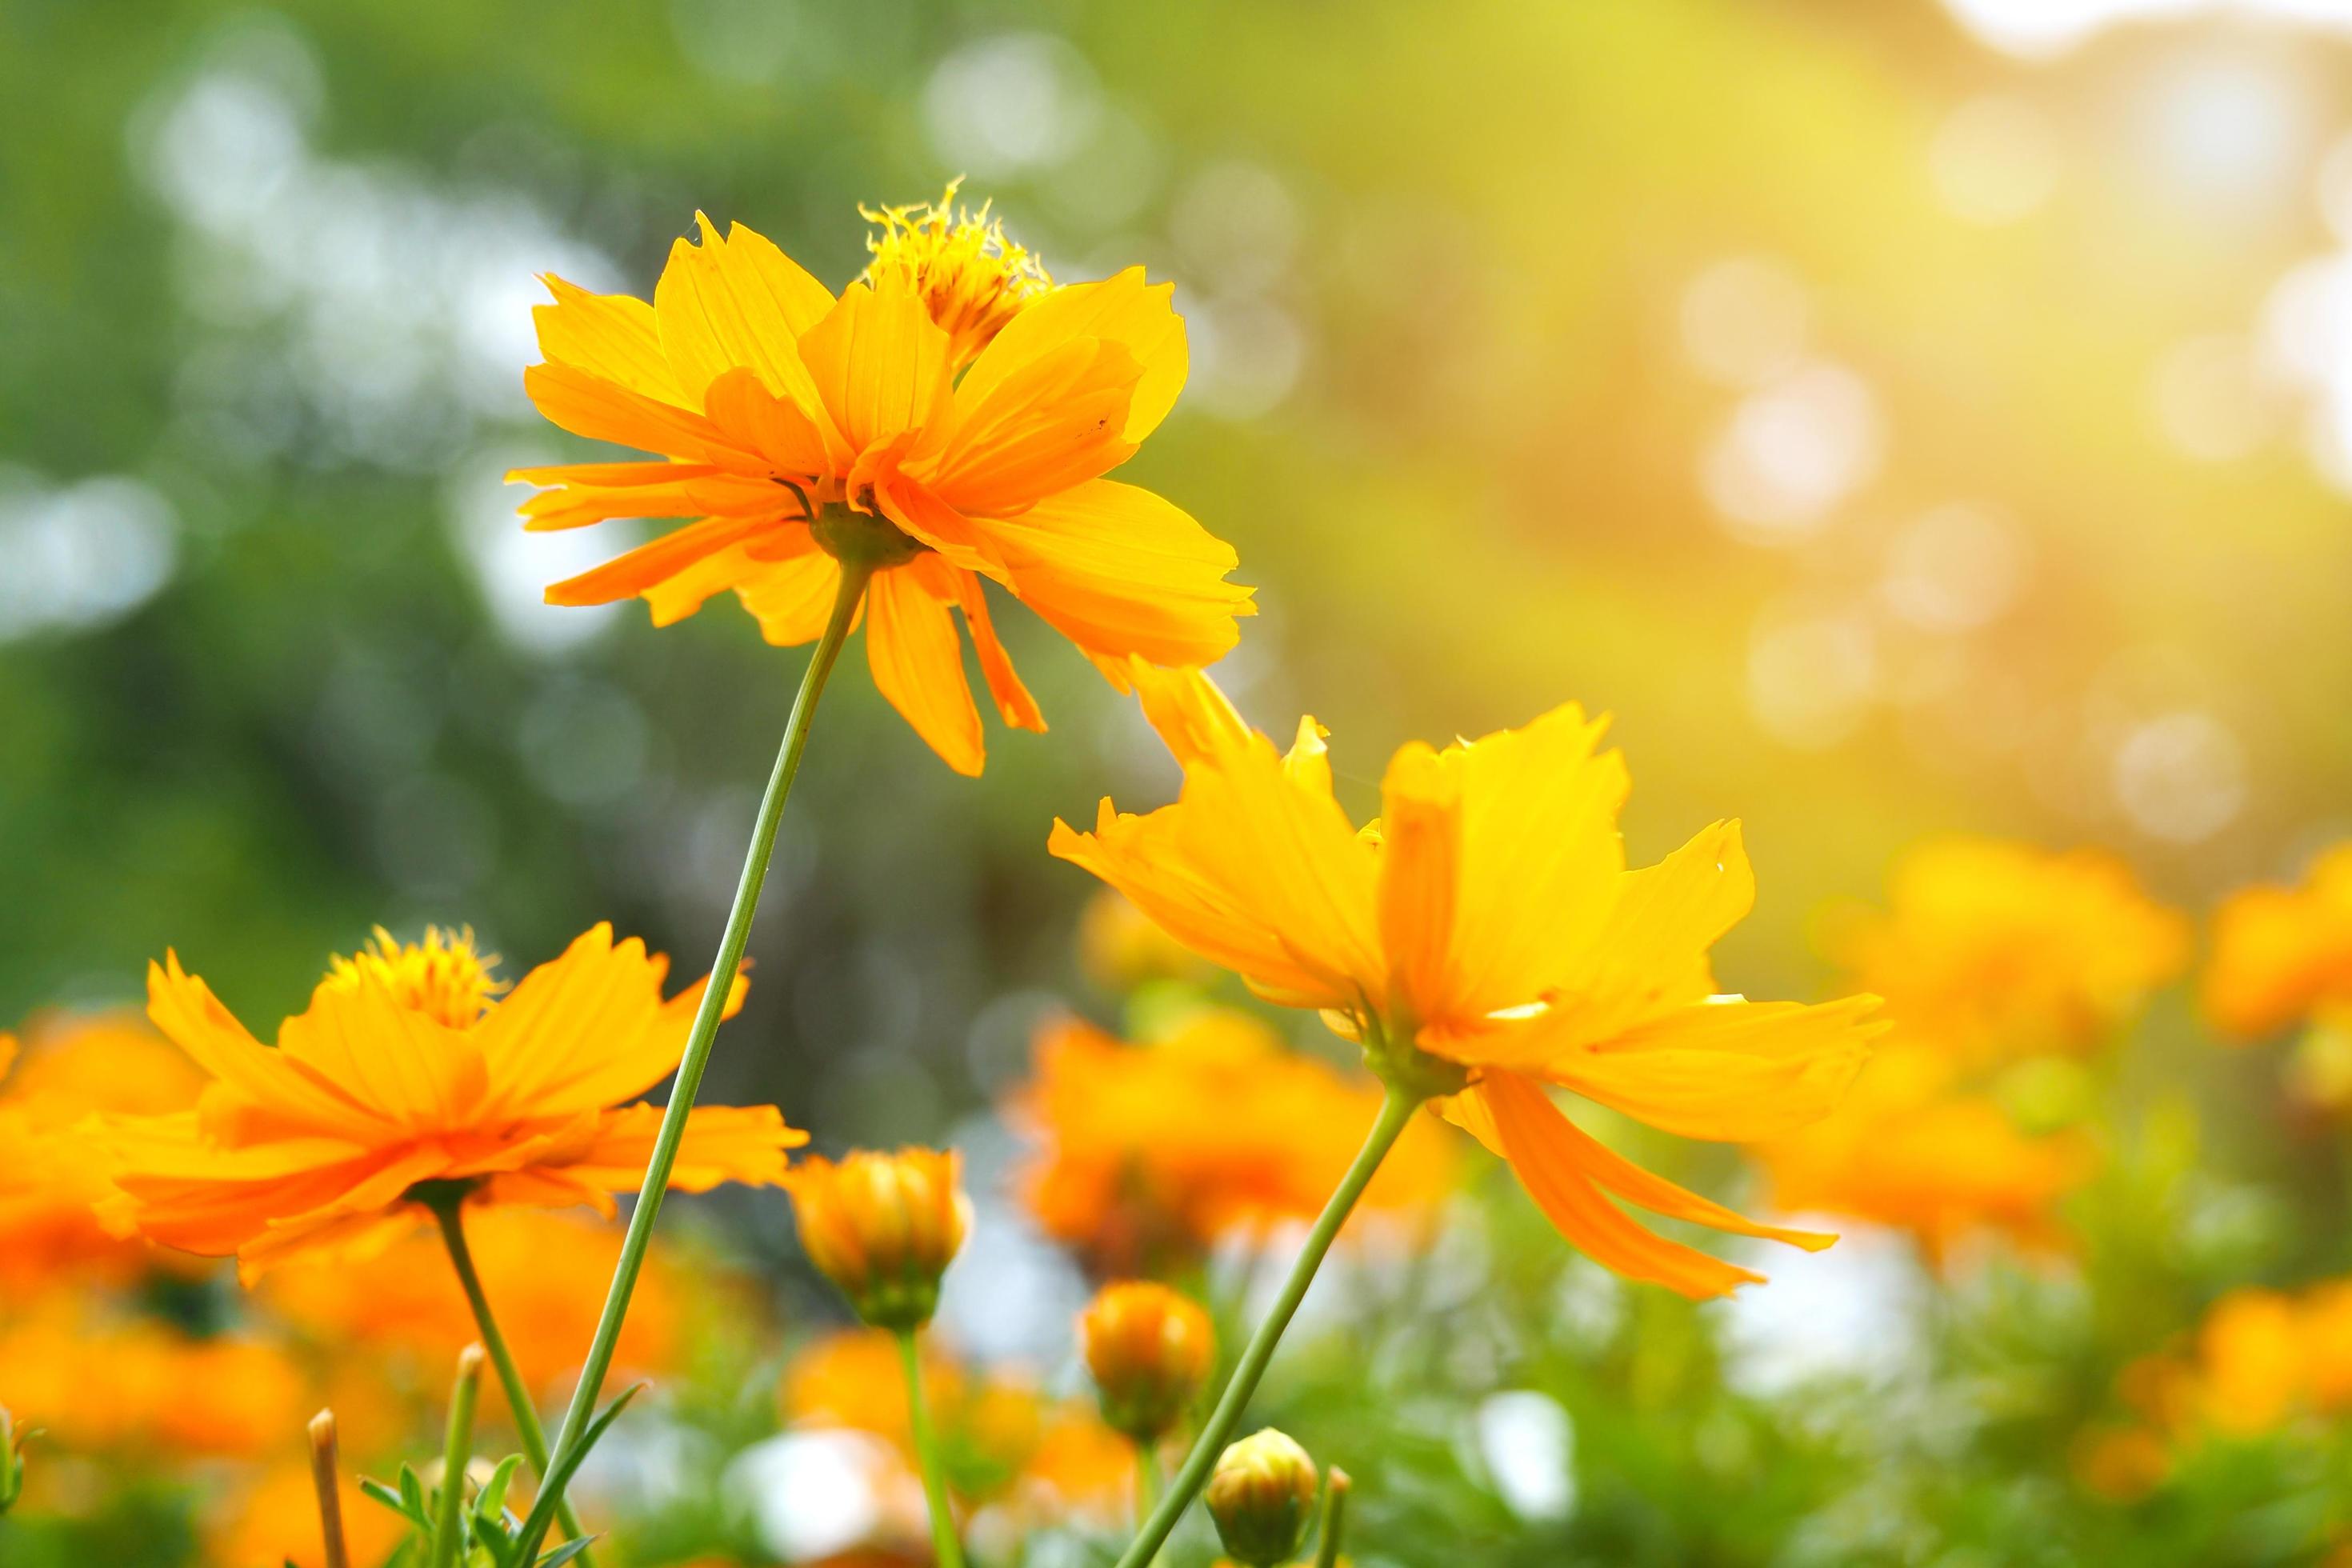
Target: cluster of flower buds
[(1149, 1350), (883, 1228)]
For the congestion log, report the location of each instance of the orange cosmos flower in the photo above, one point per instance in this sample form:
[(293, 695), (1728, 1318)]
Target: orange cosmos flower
[(70, 1069), (1909, 1149), (406, 1069), (1149, 1153), (950, 417), (2281, 955), (1486, 941), (1994, 951)]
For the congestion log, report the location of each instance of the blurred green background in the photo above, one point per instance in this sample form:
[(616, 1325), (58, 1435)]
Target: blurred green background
[(1904, 418)]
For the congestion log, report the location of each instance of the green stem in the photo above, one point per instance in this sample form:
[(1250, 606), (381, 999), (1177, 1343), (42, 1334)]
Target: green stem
[(854, 574), (450, 1209), (458, 1449), (1396, 1110), (1334, 1525), (945, 1549), (1146, 1481)]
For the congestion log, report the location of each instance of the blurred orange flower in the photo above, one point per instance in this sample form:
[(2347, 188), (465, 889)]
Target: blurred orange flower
[(71, 1068), (96, 1384), (2260, 1362), (1992, 949), (1908, 1150), (1489, 923), (274, 1519), (406, 1069), (944, 404), (545, 1272), (1149, 1152), (999, 1435), (2280, 954)]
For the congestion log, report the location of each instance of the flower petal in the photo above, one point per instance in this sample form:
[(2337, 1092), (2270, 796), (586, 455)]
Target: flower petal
[(722, 1143), (1014, 703), (1122, 309), (918, 664), (880, 365), (611, 337), (1119, 570), (1734, 1072), (1549, 1155), (652, 563), (1054, 421)]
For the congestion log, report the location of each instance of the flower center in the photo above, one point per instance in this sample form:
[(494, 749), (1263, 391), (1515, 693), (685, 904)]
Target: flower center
[(969, 277), (442, 976)]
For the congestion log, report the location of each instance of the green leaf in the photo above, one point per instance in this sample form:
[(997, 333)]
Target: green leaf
[(492, 1502), (396, 1502), (550, 1490), (565, 1553)]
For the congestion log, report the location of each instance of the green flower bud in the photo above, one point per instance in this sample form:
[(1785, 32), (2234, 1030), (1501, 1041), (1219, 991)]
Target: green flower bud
[(1261, 1494)]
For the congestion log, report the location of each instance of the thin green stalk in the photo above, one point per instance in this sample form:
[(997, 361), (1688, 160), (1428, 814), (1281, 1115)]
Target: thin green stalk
[(456, 1451), (1396, 1110), (450, 1209), (945, 1549), (854, 574), (1334, 1525), (1146, 1481)]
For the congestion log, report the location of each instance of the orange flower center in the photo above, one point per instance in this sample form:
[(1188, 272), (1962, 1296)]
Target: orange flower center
[(442, 976)]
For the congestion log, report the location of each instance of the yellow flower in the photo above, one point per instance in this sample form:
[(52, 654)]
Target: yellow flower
[(1150, 1153), (972, 279), (404, 1072), (883, 1228), (1149, 1350), (1909, 1150), (2281, 955), (71, 1067), (794, 423), (1992, 949), (1486, 941)]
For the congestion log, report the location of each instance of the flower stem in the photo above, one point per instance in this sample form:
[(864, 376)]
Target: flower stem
[(1146, 1481), (1396, 1110), (945, 1549), (458, 1451), (449, 1210), (327, 1481), (856, 570)]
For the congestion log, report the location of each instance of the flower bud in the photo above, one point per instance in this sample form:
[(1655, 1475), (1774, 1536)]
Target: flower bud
[(12, 1462), (1261, 1494), (883, 1228), (1149, 1350)]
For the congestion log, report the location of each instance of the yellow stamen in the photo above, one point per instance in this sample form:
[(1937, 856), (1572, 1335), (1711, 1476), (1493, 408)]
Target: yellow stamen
[(442, 976), (968, 275)]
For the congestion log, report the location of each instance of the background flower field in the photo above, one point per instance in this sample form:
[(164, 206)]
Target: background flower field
[(1927, 428)]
